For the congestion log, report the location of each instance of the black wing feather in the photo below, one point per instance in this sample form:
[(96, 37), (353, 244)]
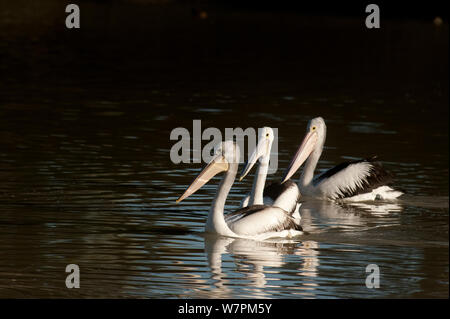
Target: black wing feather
[(246, 211), (289, 222), (275, 189), (377, 177)]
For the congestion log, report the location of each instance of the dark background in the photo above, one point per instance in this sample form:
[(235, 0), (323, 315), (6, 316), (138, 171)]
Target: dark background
[(209, 41)]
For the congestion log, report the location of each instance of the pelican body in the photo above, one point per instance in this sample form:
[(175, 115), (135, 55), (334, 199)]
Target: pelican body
[(359, 180), (256, 221), (285, 196)]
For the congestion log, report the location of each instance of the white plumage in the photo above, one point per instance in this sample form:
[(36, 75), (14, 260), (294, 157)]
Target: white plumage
[(284, 196), (266, 220), (255, 221), (345, 181), (351, 181)]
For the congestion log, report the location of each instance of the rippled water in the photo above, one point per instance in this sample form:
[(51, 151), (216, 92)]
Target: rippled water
[(86, 176), (79, 188)]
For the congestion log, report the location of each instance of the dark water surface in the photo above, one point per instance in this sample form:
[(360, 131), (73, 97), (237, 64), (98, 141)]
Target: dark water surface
[(86, 176)]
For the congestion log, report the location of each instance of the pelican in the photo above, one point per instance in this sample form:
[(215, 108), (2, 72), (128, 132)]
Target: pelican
[(358, 180), (257, 221), (285, 196)]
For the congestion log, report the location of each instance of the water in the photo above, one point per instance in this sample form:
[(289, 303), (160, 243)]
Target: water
[(86, 176)]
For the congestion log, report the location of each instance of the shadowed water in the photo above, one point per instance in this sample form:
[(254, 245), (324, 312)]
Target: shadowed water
[(86, 176)]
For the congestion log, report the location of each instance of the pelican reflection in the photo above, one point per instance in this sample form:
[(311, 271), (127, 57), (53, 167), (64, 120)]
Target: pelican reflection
[(320, 216), (259, 264)]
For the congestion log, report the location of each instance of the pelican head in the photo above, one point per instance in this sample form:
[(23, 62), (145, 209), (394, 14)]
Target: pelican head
[(313, 141), (226, 153), (261, 152)]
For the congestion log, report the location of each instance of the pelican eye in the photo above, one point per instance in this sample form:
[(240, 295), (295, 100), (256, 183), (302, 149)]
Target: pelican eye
[(313, 128), (267, 135)]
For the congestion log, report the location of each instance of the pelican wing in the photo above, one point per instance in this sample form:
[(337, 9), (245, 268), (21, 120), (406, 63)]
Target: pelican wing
[(259, 219), (284, 195), (352, 178), (243, 212), (275, 189)]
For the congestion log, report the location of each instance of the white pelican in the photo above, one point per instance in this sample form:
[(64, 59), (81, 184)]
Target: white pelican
[(359, 180), (257, 222), (285, 196)]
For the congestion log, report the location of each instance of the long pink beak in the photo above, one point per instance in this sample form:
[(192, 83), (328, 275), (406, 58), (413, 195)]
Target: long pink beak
[(217, 165), (305, 149)]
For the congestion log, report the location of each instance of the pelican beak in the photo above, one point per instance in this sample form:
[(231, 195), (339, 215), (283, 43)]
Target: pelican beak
[(305, 149), (217, 165), (260, 150)]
